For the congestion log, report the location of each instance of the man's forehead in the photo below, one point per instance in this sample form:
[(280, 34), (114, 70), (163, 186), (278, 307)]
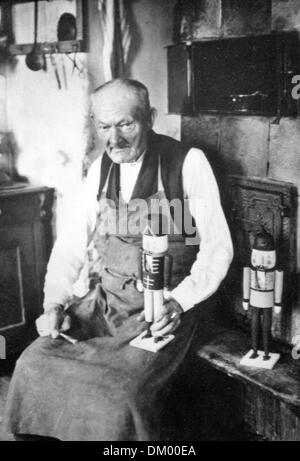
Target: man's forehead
[(115, 98)]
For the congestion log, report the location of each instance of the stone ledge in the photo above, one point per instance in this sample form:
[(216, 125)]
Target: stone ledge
[(224, 352)]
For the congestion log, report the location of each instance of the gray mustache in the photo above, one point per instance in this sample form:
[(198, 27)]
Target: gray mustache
[(118, 146)]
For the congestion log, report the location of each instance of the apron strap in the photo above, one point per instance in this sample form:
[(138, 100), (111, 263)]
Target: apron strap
[(160, 186), (106, 164)]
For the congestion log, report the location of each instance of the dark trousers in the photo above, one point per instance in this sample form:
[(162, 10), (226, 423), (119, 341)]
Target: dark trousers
[(266, 314)]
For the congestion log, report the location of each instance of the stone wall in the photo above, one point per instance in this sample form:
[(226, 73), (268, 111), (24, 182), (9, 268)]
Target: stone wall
[(253, 145)]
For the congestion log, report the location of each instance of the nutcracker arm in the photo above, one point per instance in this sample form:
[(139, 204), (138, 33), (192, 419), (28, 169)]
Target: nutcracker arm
[(139, 282), (168, 271), (278, 291), (246, 287)]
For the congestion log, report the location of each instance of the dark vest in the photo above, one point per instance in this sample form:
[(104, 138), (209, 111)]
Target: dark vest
[(172, 154)]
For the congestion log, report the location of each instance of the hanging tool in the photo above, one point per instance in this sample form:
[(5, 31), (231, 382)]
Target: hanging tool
[(75, 65), (34, 60), (64, 71), (66, 27), (54, 65)]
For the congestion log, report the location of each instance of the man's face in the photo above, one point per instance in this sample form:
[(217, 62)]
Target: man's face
[(263, 259), (118, 123)]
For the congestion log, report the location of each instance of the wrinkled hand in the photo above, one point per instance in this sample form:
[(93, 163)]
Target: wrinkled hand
[(277, 309), (53, 321), (169, 320), (245, 305)]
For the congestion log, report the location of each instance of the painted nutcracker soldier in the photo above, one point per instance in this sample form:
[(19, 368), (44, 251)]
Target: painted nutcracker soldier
[(262, 291), (154, 278)]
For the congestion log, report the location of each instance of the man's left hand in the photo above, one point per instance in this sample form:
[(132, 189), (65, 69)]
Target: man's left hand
[(169, 320)]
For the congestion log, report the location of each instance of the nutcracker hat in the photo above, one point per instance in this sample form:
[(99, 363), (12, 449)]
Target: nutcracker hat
[(264, 241), (154, 225)]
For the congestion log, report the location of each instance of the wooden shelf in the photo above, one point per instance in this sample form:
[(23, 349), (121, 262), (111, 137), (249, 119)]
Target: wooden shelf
[(225, 351), (68, 46), (22, 189)]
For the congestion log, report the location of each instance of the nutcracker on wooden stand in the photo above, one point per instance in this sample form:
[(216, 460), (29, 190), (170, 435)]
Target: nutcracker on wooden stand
[(262, 292), (154, 278)]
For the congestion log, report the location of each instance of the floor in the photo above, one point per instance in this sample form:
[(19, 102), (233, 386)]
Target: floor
[(214, 416), (5, 377), (209, 413)]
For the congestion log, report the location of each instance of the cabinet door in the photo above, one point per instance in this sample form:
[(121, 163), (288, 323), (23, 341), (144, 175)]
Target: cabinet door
[(12, 312), (19, 286), (242, 75), (22, 268), (179, 79)]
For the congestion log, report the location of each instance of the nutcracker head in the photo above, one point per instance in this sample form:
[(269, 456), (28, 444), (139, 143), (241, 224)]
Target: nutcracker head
[(153, 243), (263, 254)]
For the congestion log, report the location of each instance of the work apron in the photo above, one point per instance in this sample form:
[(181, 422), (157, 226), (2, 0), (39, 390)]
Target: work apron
[(102, 388)]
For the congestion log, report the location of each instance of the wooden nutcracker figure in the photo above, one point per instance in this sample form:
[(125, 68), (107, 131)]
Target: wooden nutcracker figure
[(154, 277), (262, 292)]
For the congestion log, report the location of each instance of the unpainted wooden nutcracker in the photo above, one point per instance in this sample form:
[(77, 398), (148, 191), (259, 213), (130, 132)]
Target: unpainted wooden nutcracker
[(154, 279), (262, 292)]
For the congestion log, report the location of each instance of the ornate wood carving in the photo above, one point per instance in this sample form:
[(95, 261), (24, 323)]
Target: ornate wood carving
[(252, 203)]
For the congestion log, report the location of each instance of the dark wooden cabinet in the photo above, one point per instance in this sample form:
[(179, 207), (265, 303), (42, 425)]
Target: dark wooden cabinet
[(25, 245), (244, 75)]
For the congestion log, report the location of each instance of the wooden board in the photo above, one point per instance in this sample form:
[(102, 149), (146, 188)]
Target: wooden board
[(225, 351)]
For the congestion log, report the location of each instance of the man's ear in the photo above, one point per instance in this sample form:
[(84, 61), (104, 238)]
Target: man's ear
[(153, 114)]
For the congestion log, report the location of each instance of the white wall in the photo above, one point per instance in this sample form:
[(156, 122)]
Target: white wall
[(50, 124)]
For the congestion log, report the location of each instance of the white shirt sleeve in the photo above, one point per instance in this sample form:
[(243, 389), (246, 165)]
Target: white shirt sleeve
[(216, 251), (213, 258), (69, 251)]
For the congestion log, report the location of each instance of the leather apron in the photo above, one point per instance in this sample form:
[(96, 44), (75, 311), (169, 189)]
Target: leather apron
[(102, 388)]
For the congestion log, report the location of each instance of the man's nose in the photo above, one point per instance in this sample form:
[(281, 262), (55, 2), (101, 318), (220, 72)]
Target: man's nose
[(114, 136)]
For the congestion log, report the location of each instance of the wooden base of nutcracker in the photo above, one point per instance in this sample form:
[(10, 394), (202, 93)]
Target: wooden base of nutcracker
[(148, 344), (259, 362)]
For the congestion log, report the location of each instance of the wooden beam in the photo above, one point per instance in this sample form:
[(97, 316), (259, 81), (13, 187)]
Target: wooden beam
[(68, 46)]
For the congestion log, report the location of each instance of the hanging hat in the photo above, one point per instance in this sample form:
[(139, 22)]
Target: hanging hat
[(67, 27), (264, 241)]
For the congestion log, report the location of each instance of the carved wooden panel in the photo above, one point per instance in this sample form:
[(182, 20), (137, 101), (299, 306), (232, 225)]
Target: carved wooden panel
[(253, 203)]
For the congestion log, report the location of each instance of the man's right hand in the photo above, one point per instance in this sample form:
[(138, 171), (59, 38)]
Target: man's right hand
[(53, 321)]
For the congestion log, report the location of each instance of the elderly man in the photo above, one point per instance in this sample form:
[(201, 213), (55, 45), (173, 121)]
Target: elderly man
[(102, 388)]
